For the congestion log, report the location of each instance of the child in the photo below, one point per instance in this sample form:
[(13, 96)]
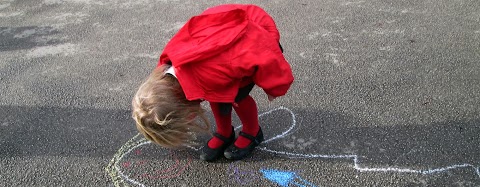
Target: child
[(217, 56)]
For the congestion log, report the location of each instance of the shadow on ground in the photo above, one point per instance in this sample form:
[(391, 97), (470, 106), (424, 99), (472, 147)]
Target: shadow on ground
[(89, 132), (73, 132)]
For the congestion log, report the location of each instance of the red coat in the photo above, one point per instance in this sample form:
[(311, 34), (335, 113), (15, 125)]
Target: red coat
[(225, 48)]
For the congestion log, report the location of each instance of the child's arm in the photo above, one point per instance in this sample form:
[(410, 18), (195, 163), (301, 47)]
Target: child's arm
[(268, 68), (274, 75)]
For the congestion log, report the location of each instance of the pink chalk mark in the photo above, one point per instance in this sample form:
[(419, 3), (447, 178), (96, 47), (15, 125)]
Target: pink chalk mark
[(138, 152), (141, 162), (126, 164), (176, 170), (176, 174), (177, 163)]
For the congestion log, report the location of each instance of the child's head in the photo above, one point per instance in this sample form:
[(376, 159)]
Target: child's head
[(163, 114)]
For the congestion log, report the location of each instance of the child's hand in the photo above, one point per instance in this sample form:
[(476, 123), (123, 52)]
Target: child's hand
[(271, 98)]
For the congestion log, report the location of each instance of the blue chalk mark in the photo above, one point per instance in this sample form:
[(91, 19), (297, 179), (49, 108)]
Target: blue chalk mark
[(285, 178), (280, 177)]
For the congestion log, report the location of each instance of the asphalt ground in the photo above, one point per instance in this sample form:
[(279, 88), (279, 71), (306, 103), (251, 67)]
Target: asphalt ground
[(386, 93)]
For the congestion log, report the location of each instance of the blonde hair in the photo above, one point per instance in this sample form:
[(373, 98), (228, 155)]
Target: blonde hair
[(163, 114)]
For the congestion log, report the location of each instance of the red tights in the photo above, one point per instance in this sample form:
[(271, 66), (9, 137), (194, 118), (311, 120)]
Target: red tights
[(247, 112)]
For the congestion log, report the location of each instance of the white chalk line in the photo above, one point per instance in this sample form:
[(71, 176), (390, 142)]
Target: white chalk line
[(355, 158), (120, 171), (294, 123), (356, 163), (113, 168)]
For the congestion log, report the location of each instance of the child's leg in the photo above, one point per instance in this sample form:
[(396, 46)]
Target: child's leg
[(223, 120), (248, 113)]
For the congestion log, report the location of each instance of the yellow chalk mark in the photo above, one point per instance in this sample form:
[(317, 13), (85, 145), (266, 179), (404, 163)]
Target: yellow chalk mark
[(112, 165)]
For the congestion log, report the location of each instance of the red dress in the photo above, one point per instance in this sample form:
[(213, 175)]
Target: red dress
[(227, 47)]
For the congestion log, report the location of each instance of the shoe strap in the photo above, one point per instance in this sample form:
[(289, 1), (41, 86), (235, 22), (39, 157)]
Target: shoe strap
[(223, 138), (248, 136)]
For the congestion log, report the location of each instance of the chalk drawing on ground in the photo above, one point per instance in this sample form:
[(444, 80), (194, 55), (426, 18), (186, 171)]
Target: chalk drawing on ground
[(280, 177), (298, 143), (285, 178), (119, 178)]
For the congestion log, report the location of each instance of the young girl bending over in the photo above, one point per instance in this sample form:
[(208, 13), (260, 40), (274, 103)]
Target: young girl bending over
[(217, 56)]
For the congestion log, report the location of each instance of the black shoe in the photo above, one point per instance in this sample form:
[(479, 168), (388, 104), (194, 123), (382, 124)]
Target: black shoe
[(235, 153), (208, 154)]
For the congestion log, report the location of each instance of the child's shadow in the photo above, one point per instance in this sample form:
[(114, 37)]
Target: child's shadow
[(302, 133)]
